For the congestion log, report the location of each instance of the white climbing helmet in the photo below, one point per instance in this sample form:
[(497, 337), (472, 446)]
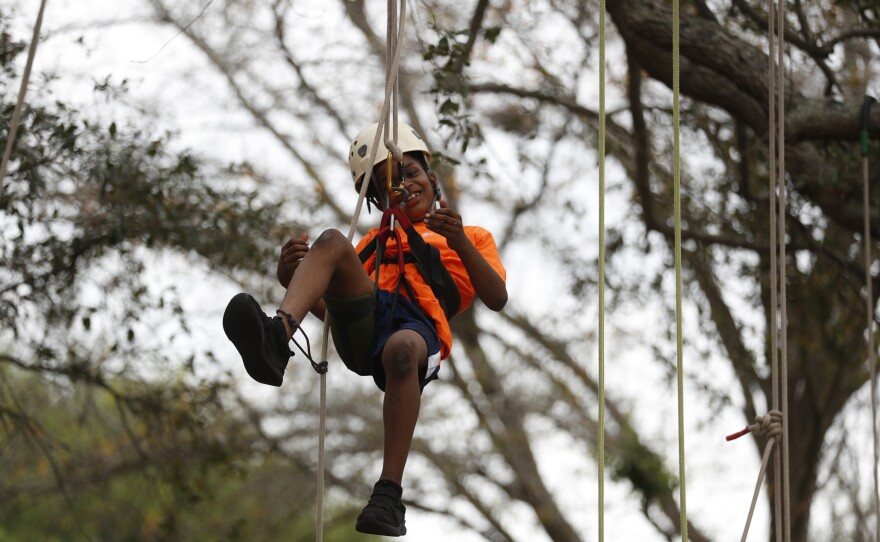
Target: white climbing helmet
[(359, 153)]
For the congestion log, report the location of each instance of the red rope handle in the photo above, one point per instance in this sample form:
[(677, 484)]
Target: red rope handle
[(737, 434)]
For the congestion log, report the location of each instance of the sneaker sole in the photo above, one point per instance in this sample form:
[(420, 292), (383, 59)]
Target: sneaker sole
[(369, 524), (242, 323)]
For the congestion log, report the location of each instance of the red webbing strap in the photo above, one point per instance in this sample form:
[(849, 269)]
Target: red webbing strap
[(386, 231)]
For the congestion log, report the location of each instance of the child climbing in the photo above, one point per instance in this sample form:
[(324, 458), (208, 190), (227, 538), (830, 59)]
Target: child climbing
[(394, 326)]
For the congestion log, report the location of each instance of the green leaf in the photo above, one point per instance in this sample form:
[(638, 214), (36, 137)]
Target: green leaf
[(449, 107), (491, 34)]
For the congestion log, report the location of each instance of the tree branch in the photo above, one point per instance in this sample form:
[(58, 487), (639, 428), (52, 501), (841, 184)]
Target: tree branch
[(473, 30), (515, 445), (258, 114)]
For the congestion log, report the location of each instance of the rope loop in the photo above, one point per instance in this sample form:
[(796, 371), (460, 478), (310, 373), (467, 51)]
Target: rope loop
[(320, 368), (395, 150)]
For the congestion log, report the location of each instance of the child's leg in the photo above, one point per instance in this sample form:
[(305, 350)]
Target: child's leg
[(330, 266), (404, 357)]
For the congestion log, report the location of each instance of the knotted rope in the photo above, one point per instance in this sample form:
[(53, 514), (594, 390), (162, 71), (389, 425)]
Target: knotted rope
[(772, 426), (778, 314), (16, 114), (394, 41)]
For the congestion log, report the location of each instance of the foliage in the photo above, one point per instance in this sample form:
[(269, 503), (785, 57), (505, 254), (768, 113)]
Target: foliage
[(101, 436), (505, 92), (182, 470)]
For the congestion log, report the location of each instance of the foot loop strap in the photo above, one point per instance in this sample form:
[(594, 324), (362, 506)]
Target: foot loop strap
[(293, 322), (320, 368)]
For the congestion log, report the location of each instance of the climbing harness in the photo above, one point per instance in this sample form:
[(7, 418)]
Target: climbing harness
[(864, 140), (16, 114), (425, 256), (777, 436)]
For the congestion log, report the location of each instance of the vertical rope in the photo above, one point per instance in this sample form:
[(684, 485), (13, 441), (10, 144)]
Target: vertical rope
[(872, 357), (322, 433), (392, 68), (676, 113), (774, 274), (19, 105), (778, 317), (786, 497), (865, 144), (601, 450)]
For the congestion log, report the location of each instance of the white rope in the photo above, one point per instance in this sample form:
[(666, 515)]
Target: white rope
[(869, 304), (16, 114), (872, 356), (392, 66), (771, 424), (783, 384), (776, 422), (774, 265)]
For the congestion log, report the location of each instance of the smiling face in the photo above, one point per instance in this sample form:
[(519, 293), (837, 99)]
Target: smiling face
[(418, 183)]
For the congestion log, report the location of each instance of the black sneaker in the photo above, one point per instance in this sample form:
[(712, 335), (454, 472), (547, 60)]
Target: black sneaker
[(384, 514), (261, 341)]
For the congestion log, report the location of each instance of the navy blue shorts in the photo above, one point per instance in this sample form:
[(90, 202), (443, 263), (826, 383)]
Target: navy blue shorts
[(361, 327)]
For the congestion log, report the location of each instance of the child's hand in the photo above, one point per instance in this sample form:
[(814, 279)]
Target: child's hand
[(293, 251), (447, 223)]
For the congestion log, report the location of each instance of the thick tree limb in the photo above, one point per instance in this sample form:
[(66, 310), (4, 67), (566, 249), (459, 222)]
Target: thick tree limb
[(514, 443)]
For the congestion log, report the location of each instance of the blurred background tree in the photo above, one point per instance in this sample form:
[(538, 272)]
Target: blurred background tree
[(101, 437), (505, 93)]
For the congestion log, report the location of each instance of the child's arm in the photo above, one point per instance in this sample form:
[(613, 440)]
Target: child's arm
[(488, 285), (293, 251)]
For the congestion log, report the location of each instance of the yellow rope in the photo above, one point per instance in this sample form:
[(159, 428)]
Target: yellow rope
[(601, 270), (676, 113)]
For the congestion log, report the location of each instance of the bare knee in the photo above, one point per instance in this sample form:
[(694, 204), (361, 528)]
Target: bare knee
[(330, 237), (331, 240), (401, 358)]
